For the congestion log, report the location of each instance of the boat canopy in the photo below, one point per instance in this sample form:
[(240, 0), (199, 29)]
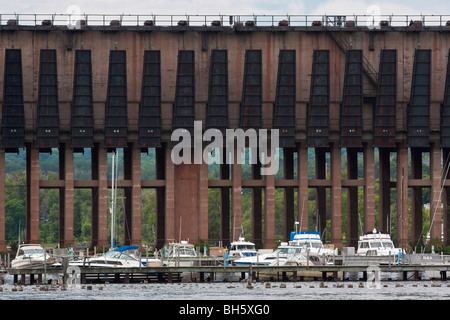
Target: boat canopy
[(303, 235), (126, 248)]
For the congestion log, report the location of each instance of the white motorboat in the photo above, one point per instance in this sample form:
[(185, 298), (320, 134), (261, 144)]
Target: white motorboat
[(122, 257), (241, 248), (310, 241), (179, 254), (280, 256), (376, 243), (31, 256)]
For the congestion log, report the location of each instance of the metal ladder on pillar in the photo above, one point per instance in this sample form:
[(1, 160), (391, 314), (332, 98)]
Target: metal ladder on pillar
[(368, 69)]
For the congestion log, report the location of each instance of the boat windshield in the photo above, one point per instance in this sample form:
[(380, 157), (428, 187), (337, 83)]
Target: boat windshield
[(308, 244), (375, 244), (288, 250), (186, 251), (388, 244), (31, 251), (119, 255), (242, 247)]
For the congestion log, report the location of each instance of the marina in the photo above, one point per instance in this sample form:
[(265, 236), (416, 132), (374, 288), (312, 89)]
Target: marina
[(205, 273)]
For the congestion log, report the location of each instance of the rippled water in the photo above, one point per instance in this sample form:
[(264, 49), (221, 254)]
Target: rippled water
[(342, 290)]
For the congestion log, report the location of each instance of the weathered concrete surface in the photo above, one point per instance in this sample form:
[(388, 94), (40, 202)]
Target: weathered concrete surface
[(186, 200)]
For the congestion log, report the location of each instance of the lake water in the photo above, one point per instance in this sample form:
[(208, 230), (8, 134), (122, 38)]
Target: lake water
[(227, 300), (314, 290)]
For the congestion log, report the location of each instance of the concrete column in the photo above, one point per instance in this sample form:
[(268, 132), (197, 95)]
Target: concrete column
[(3, 248), (321, 195), (416, 198), (67, 193), (160, 197), (225, 202), (136, 192), (288, 193), (170, 196), (369, 191), (384, 190), (302, 159), (187, 201), (336, 189), (257, 206), (32, 193), (435, 195), (100, 197), (352, 198), (203, 200), (269, 221), (402, 194)]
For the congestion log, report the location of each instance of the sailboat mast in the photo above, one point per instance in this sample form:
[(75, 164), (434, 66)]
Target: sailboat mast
[(113, 200)]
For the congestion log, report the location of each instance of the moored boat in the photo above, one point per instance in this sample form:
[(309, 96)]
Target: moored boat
[(179, 254), (121, 257), (241, 248), (376, 244), (31, 256), (310, 241), (277, 257)]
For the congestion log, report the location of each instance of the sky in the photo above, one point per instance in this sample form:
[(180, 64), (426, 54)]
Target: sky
[(228, 7)]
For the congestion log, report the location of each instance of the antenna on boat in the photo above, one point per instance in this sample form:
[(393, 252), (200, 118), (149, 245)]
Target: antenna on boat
[(112, 209), (301, 217)]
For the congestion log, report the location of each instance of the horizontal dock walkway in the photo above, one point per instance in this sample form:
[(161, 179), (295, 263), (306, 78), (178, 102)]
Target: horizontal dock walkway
[(170, 274)]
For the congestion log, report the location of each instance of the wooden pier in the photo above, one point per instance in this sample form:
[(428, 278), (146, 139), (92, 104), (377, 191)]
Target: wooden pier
[(85, 275)]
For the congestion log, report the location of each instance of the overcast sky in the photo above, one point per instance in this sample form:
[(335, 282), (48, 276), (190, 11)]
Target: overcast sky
[(229, 7)]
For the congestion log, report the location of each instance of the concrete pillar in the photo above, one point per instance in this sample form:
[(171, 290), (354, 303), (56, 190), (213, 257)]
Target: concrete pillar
[(302, 159), (336, 189), (352, 198), (132, 170), (269, 221), (257, 206), (100, 197), (66, 195), (170, 196), (402, 194), (3, 248), (32, 232), (384, 206), (321, 195), (416, 195), (186, 198), (203, 200), (369, 191), (288, 193), (225, 202), (160, 154), (435, 195)]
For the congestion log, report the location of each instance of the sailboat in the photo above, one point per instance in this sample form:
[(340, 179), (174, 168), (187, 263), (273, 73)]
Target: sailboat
[(124, 256)]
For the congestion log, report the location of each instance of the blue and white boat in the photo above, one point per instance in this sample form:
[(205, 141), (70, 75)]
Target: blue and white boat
[(241, 248), (121, 257)]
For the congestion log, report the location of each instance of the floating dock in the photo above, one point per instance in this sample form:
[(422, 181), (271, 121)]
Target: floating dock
[(84, 275)]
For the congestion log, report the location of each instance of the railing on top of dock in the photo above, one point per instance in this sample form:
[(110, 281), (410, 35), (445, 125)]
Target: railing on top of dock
[(77, 20)]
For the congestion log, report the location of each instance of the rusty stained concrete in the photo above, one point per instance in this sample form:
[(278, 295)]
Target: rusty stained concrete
[(186, 185)]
